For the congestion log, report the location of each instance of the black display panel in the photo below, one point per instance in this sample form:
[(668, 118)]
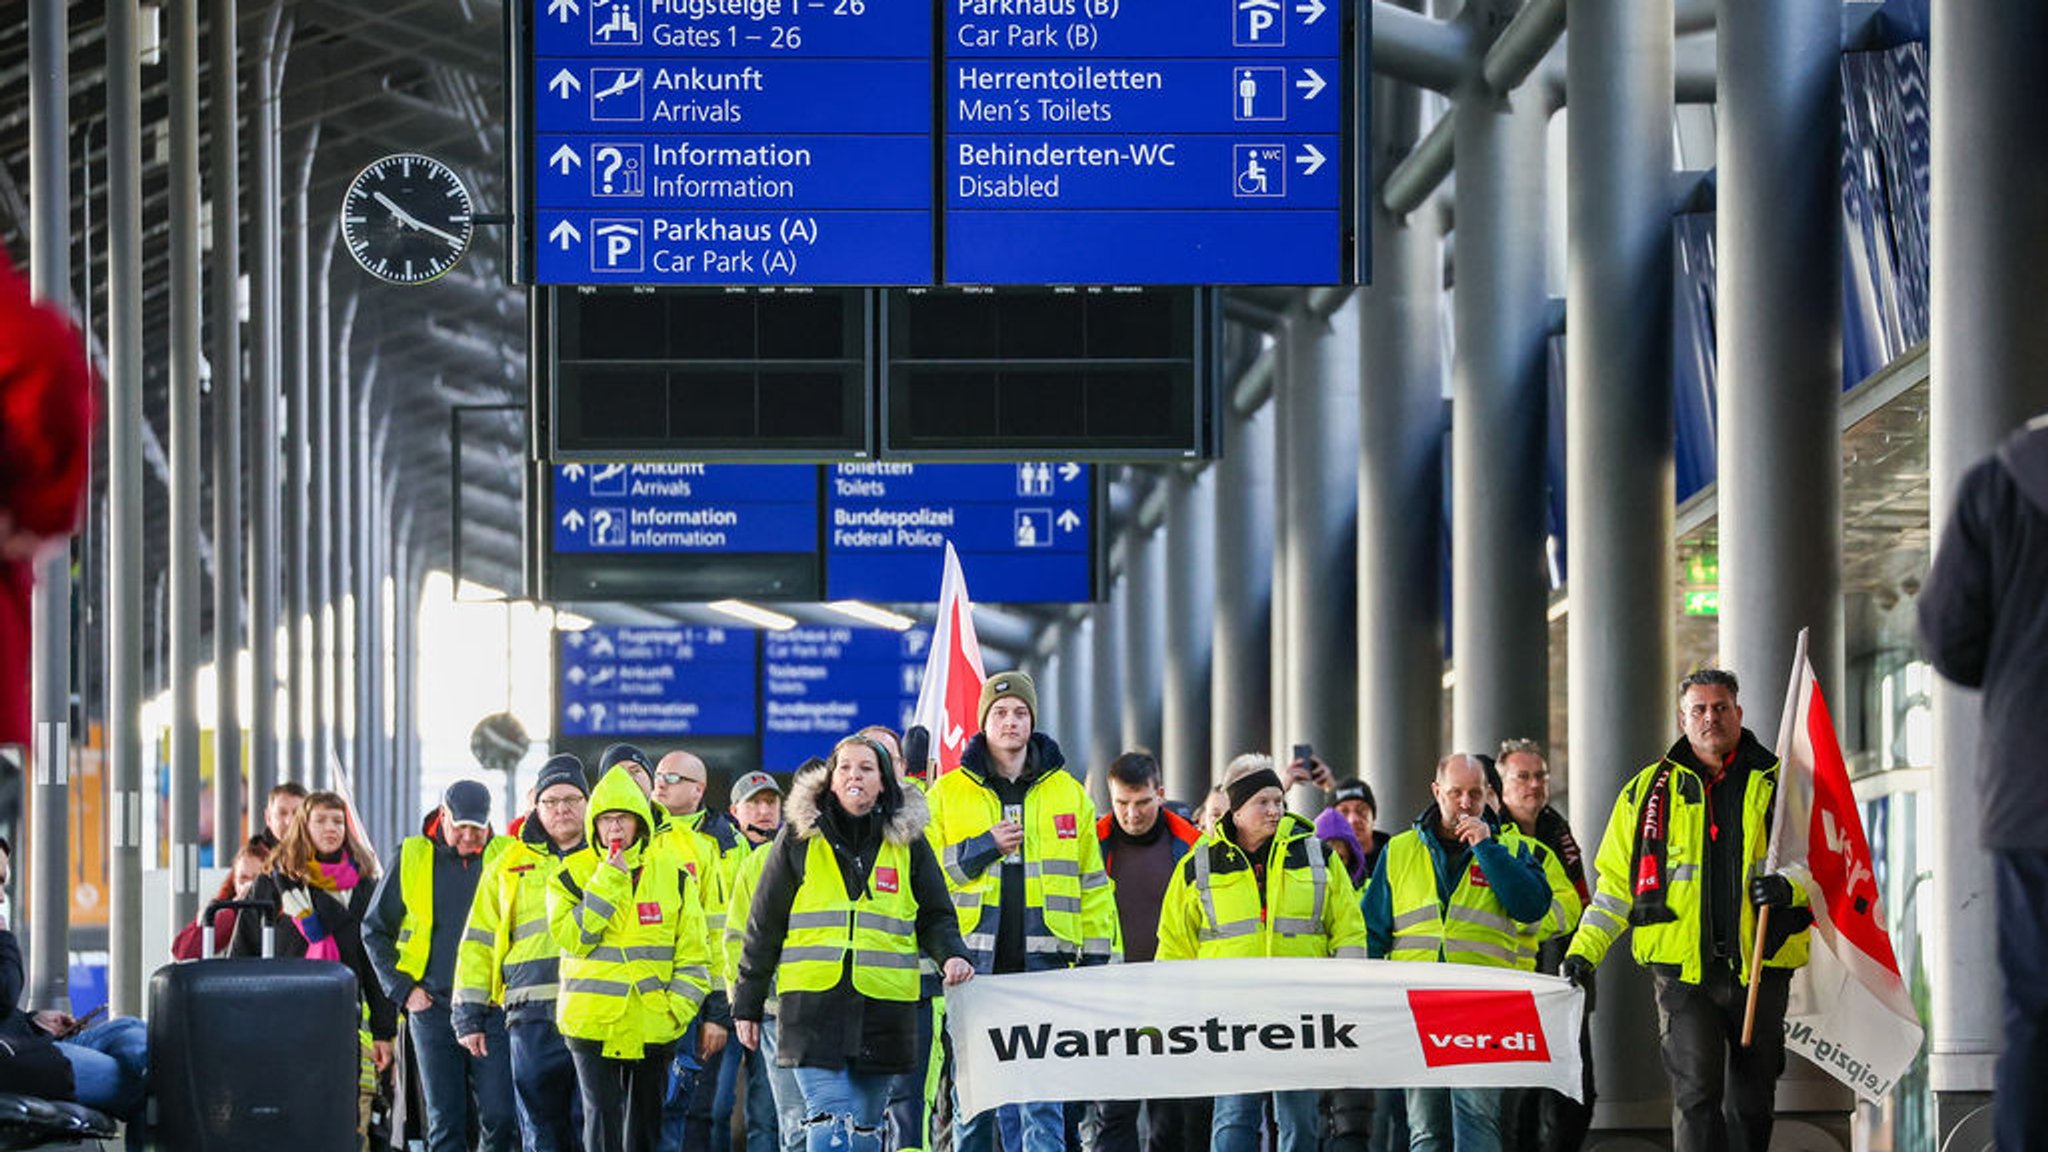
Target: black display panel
[(1075, 373)]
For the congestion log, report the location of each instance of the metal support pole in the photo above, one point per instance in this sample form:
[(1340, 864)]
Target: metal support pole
[(1316, 590), (300, 519), (1074, 726), (341, 435), (1105, 731), (1144, 621), (264, 321), (1400, 488), (321, 591), (1618, 440), (1500, 578), (224, 296), (1190, 637), (127, 630), (49, 883), (183, 61), (362, 497), (1990, 210), (1240, 690)]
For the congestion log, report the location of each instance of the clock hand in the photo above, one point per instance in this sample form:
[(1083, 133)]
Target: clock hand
[(414, 222)]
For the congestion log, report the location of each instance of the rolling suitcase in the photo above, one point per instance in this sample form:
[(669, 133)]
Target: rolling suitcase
[(249, 1054)]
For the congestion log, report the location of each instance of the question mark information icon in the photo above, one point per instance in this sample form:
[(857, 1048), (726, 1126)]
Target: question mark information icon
[(608, 527), (618, 169)]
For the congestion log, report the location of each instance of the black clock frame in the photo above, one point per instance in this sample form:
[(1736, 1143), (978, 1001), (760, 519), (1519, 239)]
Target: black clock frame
[(395, 213)]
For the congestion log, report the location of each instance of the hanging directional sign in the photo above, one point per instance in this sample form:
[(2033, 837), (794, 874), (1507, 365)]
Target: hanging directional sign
[(1146, 142), (1024, 531), (685, 508), (675, 681), (732, 142), (821, 684)]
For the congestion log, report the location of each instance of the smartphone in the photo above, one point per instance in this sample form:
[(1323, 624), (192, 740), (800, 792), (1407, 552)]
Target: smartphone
[(1306, 754), (81, 1023)]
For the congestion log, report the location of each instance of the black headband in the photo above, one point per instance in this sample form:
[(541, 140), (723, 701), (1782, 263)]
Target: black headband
[(1251, 785)]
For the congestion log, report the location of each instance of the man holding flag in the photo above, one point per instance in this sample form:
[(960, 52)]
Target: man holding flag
[(1681, 863)]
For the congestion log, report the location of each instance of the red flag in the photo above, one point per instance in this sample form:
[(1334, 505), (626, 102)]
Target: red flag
[(951, 689), (1849, 1011)]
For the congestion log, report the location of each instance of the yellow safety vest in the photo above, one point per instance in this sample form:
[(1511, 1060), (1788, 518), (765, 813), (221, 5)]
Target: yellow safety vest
[(507, 957), (1069, 902), (1677, 941), (1473, 928), (416, 889), (1213, 908), (697, 854), (826, 924)]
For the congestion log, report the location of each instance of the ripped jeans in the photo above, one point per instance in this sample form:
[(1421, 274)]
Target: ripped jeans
[(842, 1109)]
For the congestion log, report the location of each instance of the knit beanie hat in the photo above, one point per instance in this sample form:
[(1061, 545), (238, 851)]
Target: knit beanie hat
[(617, 754), (996, 687), (562, 768), (1251, 784)]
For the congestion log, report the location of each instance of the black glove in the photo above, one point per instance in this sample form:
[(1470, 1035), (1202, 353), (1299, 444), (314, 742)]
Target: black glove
[(1771, 890), (1576, 969)]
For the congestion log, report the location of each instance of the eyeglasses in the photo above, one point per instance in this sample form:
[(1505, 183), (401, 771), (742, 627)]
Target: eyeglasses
[(674, 778), (561, 803)]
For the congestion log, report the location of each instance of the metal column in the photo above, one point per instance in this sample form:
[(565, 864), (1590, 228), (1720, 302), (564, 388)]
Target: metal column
[(127, 631), (1618, 440), (224, 298), (49, 877), (1500, 578), (321, 590), (299, 517), (264, 319), (182, 58), (1240, 682), (1190, 544), (1779, 249), (1144, 621), (1074, 725), (341, 437), (1990, 211), (1105, 740), (1400, 485)]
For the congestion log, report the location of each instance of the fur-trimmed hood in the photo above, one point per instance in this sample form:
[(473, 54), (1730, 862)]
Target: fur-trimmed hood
[(906, 820)]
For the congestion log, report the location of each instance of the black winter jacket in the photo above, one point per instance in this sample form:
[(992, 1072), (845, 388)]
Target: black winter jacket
[(343, 922), (840, 1028), (1984, 624)]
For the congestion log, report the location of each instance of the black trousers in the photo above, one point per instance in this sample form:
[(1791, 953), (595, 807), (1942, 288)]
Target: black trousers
[(621, 1098), (1544, 1120), (1170, 1126), (1721, 1092), (2020, 1106)]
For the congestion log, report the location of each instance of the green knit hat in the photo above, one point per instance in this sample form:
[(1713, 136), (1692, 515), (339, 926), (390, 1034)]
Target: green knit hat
[(1007, 684)]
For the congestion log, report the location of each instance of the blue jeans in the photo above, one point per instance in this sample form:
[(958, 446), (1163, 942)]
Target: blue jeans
[(842, 1109), (448, 1074), (110, 1063), (1238, 1119), (1044, 1128), (1465, 1119), (724, 1091), (683, 1073), (763, 1122), (789, 1096), (544, 1082)]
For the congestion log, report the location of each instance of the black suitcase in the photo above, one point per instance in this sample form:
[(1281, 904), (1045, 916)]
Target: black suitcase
[(254, 1053)]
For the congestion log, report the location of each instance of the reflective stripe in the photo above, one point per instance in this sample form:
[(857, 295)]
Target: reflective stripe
[(1478, 947), (653, 953), (687, 990), (981, 941), (599, 905), (1098, 946), (881, 923), (874, 959), (1297, 926), (1613, 905), (526, 972), (954, 870), (1068, 904), (649, 985), (1559, 916), (526, 929), (586, 986), (470, 996), (822, 954), (1048, 945), (1419, 942), (1683, 871), (1093, 880), (1202, 885), (479, 936), (1415, 916), (817, 920), (1481, 917), (1228, 931), (1051, 867), (1349, 952), (531, 994), (1319, 877)]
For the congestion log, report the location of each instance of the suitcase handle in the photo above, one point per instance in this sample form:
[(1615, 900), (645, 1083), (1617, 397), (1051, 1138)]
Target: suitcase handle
[(267, 907)]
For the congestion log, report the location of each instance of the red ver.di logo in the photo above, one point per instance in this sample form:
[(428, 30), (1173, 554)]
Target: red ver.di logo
[(1474, 1026)]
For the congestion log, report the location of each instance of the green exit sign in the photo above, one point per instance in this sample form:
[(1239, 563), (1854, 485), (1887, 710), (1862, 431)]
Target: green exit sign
[(1703, 602)]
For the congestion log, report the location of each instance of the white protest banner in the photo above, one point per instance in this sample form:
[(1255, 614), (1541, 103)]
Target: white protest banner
[(1217, 1027)]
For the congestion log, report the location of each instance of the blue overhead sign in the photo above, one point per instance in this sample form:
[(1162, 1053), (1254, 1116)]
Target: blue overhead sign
[(1145, 142), (673, 682), (730, 142), (1024, 532), (819, 685), (685, 509)]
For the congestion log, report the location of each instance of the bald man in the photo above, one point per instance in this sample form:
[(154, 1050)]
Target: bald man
[(709, 846)]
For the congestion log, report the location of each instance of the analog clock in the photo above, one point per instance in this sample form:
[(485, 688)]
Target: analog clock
[(407, 218)]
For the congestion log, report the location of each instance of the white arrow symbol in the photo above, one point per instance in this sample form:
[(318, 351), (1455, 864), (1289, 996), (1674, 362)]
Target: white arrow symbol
[(1311, 159), (1068, 521), (563, 9), (575, 675), (565, 158), (1313, 10), (575, 711), (564, 83), (1313, 85), (564, 233), (573, 521), (573, 471), (573, 639), (1070, 471)]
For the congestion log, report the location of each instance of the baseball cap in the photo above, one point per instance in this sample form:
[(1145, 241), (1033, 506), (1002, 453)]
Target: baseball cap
[(468, 802), (747, 786)]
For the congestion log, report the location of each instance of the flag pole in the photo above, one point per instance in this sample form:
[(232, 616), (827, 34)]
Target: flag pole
[(1786, 720)]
